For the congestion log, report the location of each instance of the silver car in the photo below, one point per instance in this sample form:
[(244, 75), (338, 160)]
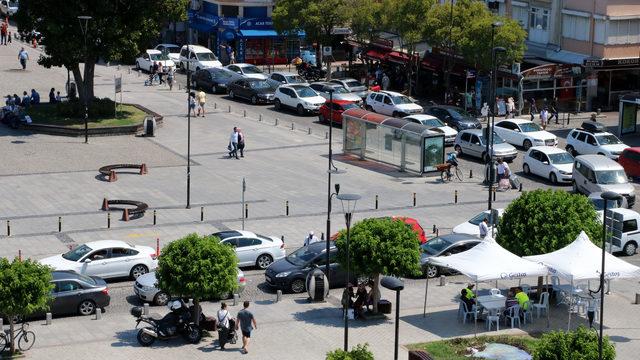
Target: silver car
[(146, 287), (253, 249), (471, 142), (339, 92), (352, 85)]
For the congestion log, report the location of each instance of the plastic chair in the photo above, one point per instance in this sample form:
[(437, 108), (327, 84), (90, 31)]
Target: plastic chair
[(495, 291), (528, 312), (466, 312), (513, 314), (526, 288), (543, 304), (493, 317)]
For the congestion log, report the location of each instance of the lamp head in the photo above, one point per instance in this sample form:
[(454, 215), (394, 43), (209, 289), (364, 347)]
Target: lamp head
[(499, 49), (611, 196), (348, 202), (496, 24), (337, 187)]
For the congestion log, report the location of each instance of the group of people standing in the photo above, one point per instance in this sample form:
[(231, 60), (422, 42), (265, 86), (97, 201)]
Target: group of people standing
[(548, 112), (358, 301), (158, 71)]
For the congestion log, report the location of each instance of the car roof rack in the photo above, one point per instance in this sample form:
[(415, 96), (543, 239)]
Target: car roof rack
[(593, 127)]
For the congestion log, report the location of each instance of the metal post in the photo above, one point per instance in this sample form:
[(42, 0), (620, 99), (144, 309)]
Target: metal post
[(395, 351), (455, 197), (327, 266), (604, 241), (188, 137), (84, 85), (154, 217), (347, 217), (376, 202), (109, 220), (414, 199), (286, 207), (201, 213), (8, 227), (59, 223), (244, 206)]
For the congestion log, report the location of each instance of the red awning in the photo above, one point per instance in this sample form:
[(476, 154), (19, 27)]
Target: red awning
[(375, 55), (431, 63), (398, 57)]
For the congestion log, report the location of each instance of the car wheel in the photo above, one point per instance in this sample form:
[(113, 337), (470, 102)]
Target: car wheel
[(525, 168), (630, 248), (431, 271), (193, 334), (86, 307), (300, 109), (197, 69), (368, 108), (321, 118), (571, 150), (145, 339), (137, 65), (575, 187), (264, 261), (526, 144), (458, 149), (161, 298), (137, 271), (254, 100), (601, 154), (553, 178), (297, 286), (231, 94), (395, 114), (214, 89), (277, 104)]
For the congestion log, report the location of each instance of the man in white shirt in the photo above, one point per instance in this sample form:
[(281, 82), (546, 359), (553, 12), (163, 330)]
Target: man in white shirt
[(310, 239), (484, 228), (233, 144)]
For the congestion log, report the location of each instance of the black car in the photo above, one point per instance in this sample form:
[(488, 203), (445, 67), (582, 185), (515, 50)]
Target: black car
[(254, 90), (455, 117), (214, 80), (290, 273), (444, 245)]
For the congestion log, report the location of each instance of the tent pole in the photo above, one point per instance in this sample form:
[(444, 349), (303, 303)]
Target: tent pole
[(570, 304), (426, 291), (548, 298), (475, 322)]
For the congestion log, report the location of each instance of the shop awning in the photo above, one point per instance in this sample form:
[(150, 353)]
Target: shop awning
[(375, 55), (398, 57), (264, 34)]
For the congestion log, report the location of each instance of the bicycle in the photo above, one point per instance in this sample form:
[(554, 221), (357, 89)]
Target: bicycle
[(446, 174), (25, 338)]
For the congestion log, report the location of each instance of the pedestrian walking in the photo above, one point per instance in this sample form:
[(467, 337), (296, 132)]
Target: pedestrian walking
[(225, 323), (170, 73), (160, 73), (232, 57), (4, 31), (192, 103), (385, 81), (240, 142), (247, 323), (511, 108), (233, 144), (52, 96), (532, 108), (554, 109), (9, 38), (23, 56), (310, 239), (202, 99), (544, 117), (484, 228)]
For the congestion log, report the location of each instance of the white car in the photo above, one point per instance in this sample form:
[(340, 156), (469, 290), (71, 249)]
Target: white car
[(300, 97), (279, 78), (198, 57), (339, 92), (471, 227), (525, 133), (171, 50), (106, 259), (436, 124), (9, 7), (253, 249), (551, 163), (392, 104), (247, 71), (582, 142), (146, 59), (352, 85)]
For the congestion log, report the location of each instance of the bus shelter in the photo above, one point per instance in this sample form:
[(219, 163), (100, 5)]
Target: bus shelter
[(629, 113), (398, 142)]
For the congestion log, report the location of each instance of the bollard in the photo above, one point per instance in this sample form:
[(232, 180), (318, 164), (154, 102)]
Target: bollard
[(568, 118), (215, 105), (443, 280), (179, 86), (278, 295), (437, 232), (322, 236), (19, 255), (129, 71), (109, 220), (260, 117), (286, 206), (201, 213), (493, 188), (434, 228), (637, 299), (326, 135), (244, 113), (520, 188), (414, 199), (236, 299), (292, 126), (157, 246), (229, 108), (455, 197), (309, 133), (138, 72), (59, 223), (276, 121), (48, 319), (118, 67), (376, 202), (154, 217), (246, 211), (470, 173), (98, 314), (8, 227), (145, 310)]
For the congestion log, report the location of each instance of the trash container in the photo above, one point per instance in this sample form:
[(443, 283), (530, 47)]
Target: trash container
[(317, 285), (149, 126)]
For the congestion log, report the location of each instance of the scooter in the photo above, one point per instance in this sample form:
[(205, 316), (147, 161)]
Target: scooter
[(175, 323)]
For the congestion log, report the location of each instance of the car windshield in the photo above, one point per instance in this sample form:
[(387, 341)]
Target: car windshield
[(87, 279), (608, 139), (435, 246), (476, 220), (77, 253), (305, 92), (302, 255), (353, 83), (349, 106), (207, 56), (401, 99), (459, 113), (529, 127), (158, 57), (263, 84), (496, 139), (610, 177), (561, 158), (251, 69), (340, 90), (295, 79), (598, 203), (433, 122), (173, 49)]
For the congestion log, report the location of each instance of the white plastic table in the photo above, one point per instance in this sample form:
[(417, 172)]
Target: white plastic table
[(492, 302)]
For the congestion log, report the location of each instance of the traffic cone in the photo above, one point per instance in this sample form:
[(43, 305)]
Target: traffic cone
[(105, 204), (125, 215), (143, 169)]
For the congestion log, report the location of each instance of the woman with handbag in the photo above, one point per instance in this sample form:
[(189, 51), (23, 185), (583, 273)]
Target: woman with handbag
[(225, 323)]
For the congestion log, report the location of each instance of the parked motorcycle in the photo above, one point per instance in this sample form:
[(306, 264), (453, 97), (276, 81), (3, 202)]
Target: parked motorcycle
[(309, 72), (176, 323)]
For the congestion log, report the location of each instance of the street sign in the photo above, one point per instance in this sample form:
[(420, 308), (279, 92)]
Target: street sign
[(327, 51), (118, 83)]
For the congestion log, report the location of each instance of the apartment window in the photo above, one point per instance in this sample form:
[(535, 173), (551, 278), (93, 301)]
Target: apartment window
[(620, 32), (575, 27), (600, 31), (539, 18), (229, 11), (521, 15)]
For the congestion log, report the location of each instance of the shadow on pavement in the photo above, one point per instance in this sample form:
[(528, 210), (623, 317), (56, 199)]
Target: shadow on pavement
[(128, 338), (332, 317), (443, 323)]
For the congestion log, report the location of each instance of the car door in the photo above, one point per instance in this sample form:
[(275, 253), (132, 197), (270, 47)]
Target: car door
[(337, 274), (94, 264), (533, 161), (387, 105), (506, 130), (475, 146), (247, 251), (242, 89), (122, 260), (292, 98), (590, 145), (377, 103), (66, 297), (579, 144), (544, 167)]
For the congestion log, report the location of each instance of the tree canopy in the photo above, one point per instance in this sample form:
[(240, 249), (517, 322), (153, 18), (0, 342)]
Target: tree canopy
[(543, 221)]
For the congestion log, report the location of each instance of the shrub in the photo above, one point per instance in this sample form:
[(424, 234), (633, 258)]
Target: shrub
[(359, 352), (98, 108), (581, 344)]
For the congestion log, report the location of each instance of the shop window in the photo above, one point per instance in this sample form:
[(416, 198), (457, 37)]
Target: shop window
[(539, 18), (575, 27), (229, 11)]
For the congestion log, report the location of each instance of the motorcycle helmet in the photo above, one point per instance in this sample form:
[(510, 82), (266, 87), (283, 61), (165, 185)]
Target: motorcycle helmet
[(174, 305)]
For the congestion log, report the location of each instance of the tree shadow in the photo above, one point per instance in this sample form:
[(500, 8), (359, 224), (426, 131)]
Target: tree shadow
[(332, 317)]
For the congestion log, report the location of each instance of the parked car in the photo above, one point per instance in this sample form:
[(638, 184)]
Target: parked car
[(253, 249), (625, 231), (338, 106), (146, 59), (290, 273), (444, 245), (146, 288), (171, 50), (352, 85), (455, 117), (77, 294), (9, 7), (472, 142), (470, 227), (213, 79), (106, 259), (594, 140), (391, 103), (300, 97), (255, 90), (435, 124), (551, 163), (198, 57), (247, 71), (279, 78), (525, 133), (630, 161), (598, 203), (597, 173), (339, 92)]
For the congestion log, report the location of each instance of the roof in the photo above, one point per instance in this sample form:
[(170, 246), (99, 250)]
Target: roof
[(478, 132), (341, 102), (392, 93), (107, 244), (168, 45), (634, 149), (421, 117), (297, 86), (454, 238), (548, 149), (627, 213), (344, 79), (153, 51), (197, 48), (516, 121), (599, 161), (387, 121), (63, 274), (285, 73)]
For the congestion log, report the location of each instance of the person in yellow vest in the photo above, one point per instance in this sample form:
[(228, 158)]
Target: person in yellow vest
[(522, 298), (468, 296)]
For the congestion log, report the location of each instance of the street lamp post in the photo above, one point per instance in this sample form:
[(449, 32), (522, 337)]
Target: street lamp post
[(188, 136), (84, 29), (330, 169), (607, 196), (348, 206), (396, 285), (489, 134)]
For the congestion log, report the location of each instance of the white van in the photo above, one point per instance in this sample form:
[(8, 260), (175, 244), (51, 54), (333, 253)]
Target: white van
[(625, 235), (198, 57), (598, 173)]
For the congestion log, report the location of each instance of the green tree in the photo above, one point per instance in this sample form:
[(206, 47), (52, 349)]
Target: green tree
[(25, 288), (118, 30), (365, 17), (359, 352), (380, 246), (580, 344), (198, 267)]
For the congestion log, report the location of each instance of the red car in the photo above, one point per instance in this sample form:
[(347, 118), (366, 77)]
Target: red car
[(339, 106), (413, 223), (630, 161)]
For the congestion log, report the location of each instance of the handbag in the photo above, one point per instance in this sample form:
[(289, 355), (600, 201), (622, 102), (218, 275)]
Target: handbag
[(229, 147)]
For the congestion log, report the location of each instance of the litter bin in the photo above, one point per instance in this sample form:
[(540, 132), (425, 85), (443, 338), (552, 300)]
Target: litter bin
[(317, 285), (149, 125)]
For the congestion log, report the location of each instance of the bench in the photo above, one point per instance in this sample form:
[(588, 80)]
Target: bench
[(109, 171), (138, 209)]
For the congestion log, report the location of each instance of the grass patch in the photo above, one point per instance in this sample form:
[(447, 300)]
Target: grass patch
[(47, 114), (456, 349)]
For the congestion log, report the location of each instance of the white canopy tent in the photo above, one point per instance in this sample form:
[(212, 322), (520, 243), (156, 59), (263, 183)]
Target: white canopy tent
[(582, 260), (488, 261)]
